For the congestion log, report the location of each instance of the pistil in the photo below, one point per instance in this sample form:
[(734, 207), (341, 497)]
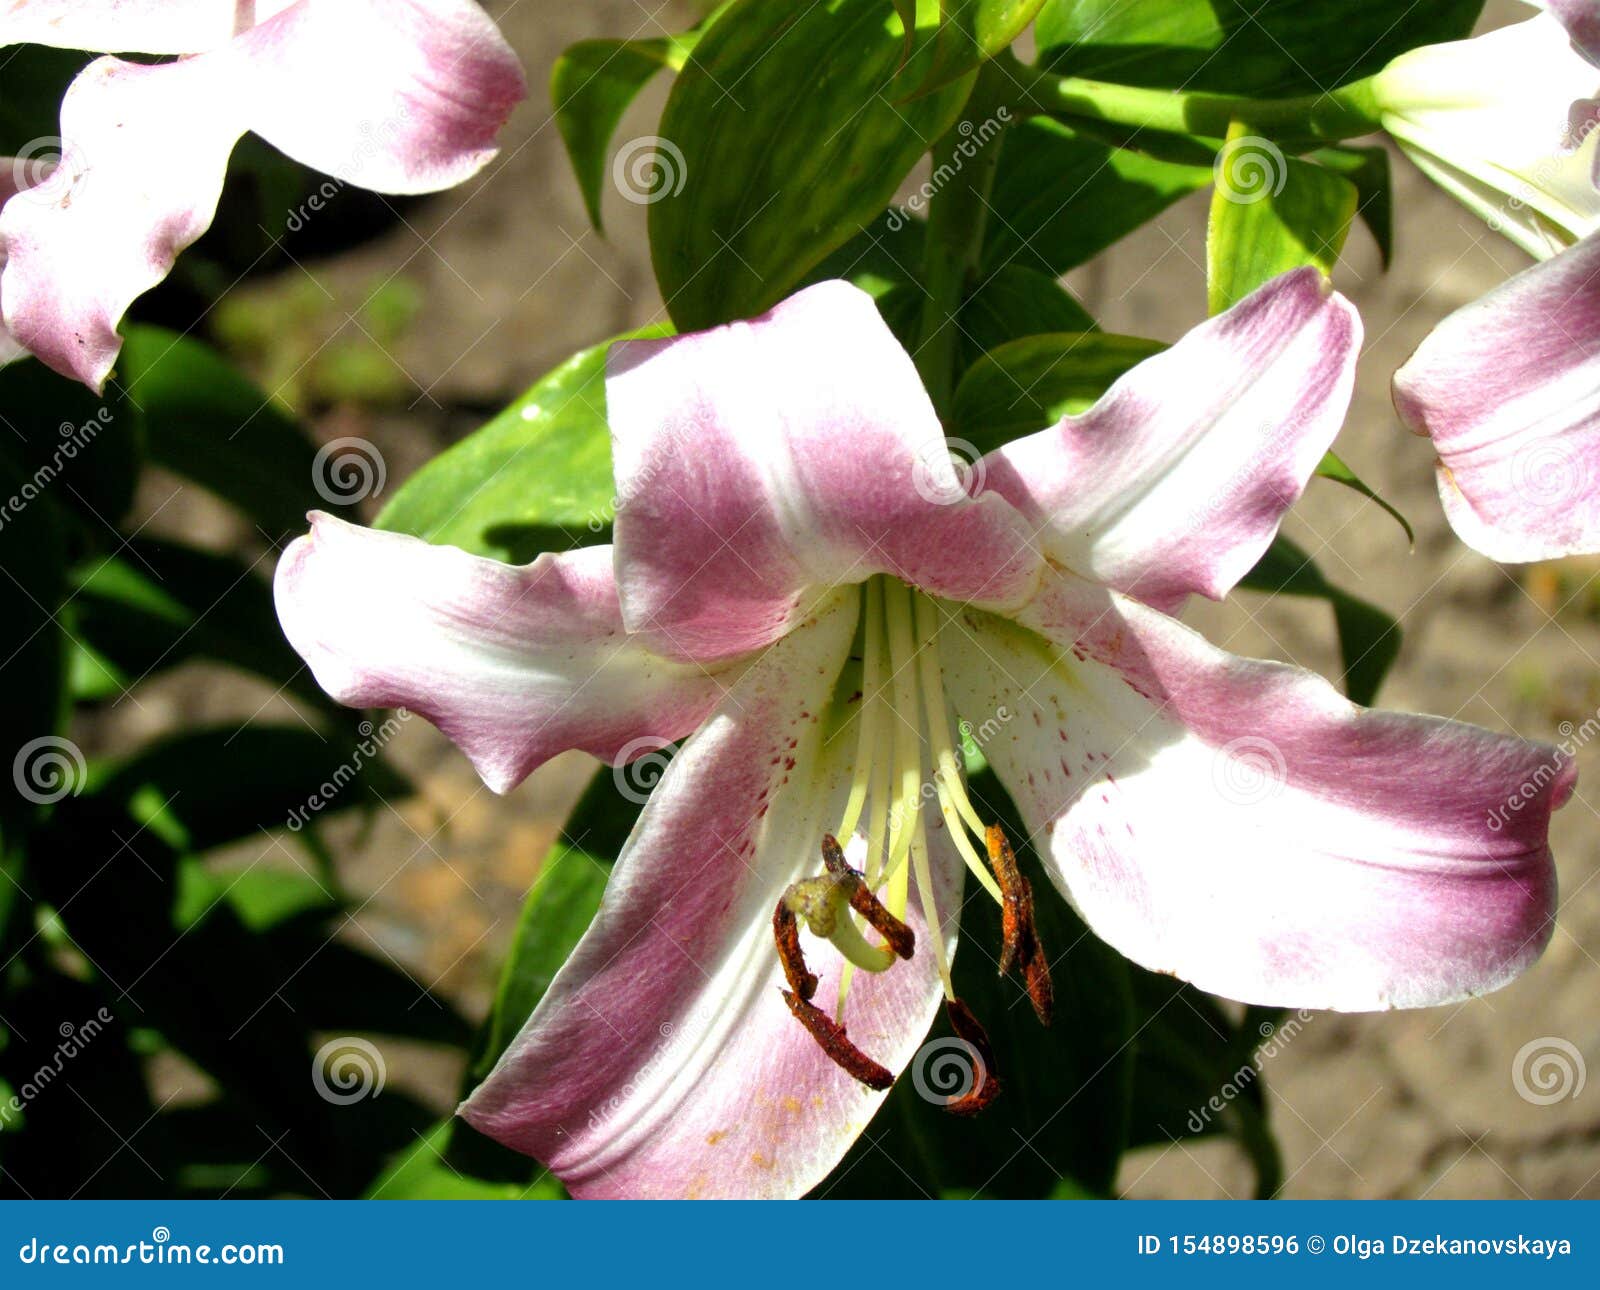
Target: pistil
[(905, 756)]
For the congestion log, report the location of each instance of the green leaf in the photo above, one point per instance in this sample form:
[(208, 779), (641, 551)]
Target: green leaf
[(1060, 197), (263, 897), (157, 604), (1015, 302), (559, 908), (424, 1172), (1369, 639), (206, 787), (32, 588), (536, 478), (1197, 1074), (1032, 383), (1258, 48), (1369, 170), (1271, 214), (82, 447), (591, 86), (738, 224), (974, 31), (1331, 467), (204, 420)]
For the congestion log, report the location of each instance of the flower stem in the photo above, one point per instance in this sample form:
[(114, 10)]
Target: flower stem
[(1343, 113), (964, 162)]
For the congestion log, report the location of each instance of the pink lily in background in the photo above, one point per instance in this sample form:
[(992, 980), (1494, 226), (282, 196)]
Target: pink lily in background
[(806, 590), (1505, 385), (399, 96)]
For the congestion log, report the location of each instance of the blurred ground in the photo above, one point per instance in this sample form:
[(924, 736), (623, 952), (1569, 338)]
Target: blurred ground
[(511, 279)]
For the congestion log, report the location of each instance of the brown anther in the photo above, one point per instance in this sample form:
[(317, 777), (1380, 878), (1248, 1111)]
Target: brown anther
[(1020, 945), (896, 935), (833, 1040), (786, 931), (985, 1081)]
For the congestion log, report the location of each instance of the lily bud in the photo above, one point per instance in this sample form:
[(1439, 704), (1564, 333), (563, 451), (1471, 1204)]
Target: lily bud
[(1505, 123)]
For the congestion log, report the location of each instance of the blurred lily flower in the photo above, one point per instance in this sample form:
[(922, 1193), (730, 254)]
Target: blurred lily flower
[(400, 96), (1504, 122), (807, 589)]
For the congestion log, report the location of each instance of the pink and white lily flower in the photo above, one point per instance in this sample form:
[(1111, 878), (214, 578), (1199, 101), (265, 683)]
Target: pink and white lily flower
[(803, 588), (1505, 388), (399, 96), (1505, 385)]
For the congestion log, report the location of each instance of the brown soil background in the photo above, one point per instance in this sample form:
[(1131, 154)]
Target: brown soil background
[(512, 279)]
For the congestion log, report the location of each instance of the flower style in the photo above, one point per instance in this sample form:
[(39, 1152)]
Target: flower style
[(1505, 123), (403, 96), (804, 589)]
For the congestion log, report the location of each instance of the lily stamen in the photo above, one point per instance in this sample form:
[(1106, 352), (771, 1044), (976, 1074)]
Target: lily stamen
[(985, 1082), (831, 1036), (1020, 945)]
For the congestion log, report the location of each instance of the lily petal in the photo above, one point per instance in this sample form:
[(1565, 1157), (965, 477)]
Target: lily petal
[(662, 1061), (1504, 122), (514, 663), (402, 98), (1581, 18), (11, 174), (1241, 825), (761, 462), (133, 26), (1505, 386), (1176, 480)]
